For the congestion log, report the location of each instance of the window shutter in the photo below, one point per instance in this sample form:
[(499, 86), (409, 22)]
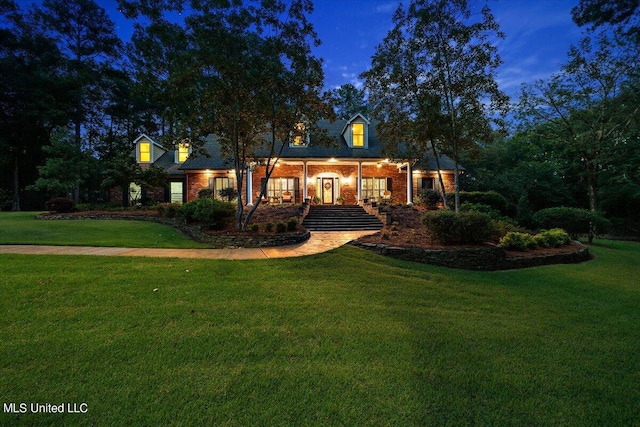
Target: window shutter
[(389, 184)]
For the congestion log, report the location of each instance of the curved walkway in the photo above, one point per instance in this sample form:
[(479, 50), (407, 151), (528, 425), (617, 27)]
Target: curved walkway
[(318, 242)]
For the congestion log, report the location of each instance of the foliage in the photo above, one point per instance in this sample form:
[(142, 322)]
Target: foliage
[(429, 198), (255, 228), (268, 227), (516, 241), (205, 193), (574, 220), (292, 224), (229, 193), (622, 14), (430, 79), (281, 227), (210, 212), (66, 166), (522, 241), (348, 100), (60, 205), (588, 108), (168, 210), (492, 199), (449, 227)]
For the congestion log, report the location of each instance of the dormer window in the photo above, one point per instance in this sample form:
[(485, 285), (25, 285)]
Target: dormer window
[(144, 152), (300, 137), (357, 134), (182, 153)]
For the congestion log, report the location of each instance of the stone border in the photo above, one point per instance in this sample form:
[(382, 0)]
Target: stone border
[(194, 232), (479, 259)]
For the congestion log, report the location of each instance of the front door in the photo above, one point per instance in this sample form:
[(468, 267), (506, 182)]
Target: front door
[(327, 191)]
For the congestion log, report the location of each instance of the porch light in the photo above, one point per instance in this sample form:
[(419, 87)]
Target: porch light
[(379, 165), (333, 160), (207, 171)]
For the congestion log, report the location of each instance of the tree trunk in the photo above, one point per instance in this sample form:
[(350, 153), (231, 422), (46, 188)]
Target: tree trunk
[(456, 169), (443, 190)]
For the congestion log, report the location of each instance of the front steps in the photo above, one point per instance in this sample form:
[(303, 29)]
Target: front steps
[(340, 218)]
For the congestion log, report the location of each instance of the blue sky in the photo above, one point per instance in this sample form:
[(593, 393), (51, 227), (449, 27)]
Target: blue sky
[(538, 36)]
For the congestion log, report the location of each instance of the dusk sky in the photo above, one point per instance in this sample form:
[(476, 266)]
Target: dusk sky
[(538, 36)]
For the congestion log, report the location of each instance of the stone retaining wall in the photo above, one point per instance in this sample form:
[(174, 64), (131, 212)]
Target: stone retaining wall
[(482, 259), (244, 240)]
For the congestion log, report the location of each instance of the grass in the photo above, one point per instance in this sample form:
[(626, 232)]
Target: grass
[(25, 229), (341, 338)]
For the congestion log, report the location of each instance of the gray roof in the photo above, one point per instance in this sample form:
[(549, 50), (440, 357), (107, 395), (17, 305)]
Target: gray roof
[(334, 146), (167, 162)]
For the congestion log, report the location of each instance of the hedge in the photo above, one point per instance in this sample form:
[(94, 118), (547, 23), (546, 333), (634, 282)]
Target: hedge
[(574, 221), (448, 227)]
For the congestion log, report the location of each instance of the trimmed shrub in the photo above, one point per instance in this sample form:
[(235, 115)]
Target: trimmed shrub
[(255, 228), (516, 241), (268, 227), (210, 212), (522, 241), (168, 210), (429, 198), (59, 204), (281, 227), (448, 227), (489, 198), (205, 194), (479, 207), (292, 224), (556, 237), (574, 221)]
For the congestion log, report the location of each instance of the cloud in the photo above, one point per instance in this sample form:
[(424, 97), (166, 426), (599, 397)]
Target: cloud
[(388, 7)]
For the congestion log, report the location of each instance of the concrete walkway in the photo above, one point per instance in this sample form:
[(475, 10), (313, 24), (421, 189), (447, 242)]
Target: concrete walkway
[(318, 242)]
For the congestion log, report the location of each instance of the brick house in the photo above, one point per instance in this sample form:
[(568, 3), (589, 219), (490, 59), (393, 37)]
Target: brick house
[(350, 170)]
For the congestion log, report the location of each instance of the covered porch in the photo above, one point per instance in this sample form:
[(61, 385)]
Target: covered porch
[(333, 181)]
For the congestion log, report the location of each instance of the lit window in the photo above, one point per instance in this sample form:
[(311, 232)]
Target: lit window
[(183, 153), (357, 133), (300, 139), (176, 192), (145, 152)]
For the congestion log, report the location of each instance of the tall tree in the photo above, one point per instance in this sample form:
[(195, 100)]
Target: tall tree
[(33, 96), (624, 15), (585, 108), (249, 76), (436, 69), (66, 166), (348, 101), (86, 36)]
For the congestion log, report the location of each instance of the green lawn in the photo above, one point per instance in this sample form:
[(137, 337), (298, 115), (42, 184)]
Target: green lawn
[(24, 228), (341, 338)]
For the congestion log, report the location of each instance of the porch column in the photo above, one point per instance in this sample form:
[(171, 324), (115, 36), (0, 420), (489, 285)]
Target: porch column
[(359, 182), (249, 187), (304, 181), (409, 184)]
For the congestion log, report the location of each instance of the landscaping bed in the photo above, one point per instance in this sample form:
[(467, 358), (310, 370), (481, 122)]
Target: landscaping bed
[(407, 238)]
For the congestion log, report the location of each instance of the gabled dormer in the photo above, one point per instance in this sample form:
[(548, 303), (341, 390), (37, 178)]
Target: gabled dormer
[(356, 132), (147, 150), (299, 137), (183, 150)]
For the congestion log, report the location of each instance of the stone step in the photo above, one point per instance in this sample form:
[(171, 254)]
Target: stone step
[(340, 218)]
